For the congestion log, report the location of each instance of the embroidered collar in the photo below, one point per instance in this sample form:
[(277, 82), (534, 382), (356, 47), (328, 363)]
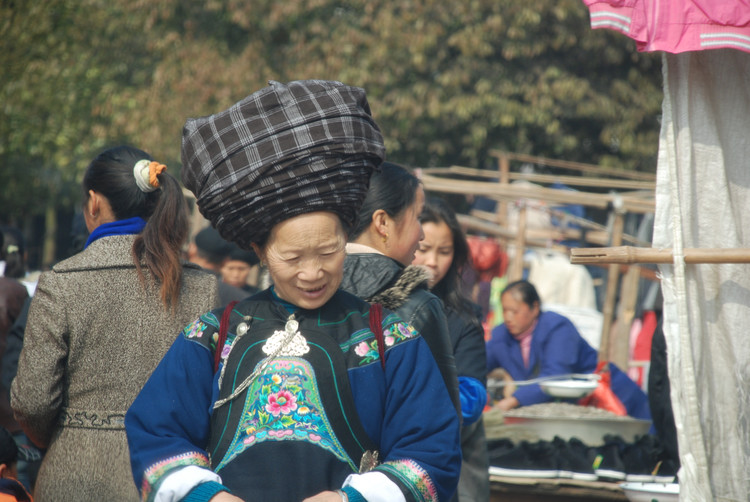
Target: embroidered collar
[(291, 308)]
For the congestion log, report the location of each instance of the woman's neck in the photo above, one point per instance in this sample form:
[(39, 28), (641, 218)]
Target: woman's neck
[(358, 247), (527, 332)]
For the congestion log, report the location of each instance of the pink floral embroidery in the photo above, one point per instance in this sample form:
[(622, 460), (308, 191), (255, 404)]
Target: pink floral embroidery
[(362, 349), (389, 340), (195, 330), (281, 402)]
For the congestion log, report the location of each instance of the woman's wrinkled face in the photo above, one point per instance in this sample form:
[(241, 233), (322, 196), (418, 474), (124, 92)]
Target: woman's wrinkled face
[(305, 258), (435, 251), (517, 315), (407, 231)]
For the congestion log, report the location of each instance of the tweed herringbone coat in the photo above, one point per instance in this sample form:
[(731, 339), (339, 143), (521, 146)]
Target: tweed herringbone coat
[(93, 337)]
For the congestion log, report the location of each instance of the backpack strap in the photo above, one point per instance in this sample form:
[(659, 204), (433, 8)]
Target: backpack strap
[(223, 329), (376, 326)]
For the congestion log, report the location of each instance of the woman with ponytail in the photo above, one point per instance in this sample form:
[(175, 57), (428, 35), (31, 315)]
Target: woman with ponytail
[(100, 322)]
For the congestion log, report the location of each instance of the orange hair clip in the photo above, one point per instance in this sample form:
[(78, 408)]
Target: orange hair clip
[(154, 170)]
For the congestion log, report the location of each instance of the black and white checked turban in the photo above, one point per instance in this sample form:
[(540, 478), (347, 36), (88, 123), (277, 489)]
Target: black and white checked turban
[(285, 150)]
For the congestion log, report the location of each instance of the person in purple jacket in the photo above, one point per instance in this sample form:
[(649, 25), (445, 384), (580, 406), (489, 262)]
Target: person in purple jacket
[(533, 343)]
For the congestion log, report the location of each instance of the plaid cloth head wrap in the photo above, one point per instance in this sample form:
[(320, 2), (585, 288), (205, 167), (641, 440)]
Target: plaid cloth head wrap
[(285, 150)]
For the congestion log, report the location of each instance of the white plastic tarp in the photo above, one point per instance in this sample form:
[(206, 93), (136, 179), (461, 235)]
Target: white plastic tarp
[(703, 201)]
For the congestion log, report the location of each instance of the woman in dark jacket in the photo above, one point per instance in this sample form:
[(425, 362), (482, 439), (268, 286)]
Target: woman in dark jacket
[(444, 252), (378, 263)]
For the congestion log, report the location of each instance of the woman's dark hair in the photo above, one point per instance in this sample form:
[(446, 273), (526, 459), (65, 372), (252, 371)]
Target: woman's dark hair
[(392, 189), (524, 291), (159, 245), (13, 252), (450, 287)]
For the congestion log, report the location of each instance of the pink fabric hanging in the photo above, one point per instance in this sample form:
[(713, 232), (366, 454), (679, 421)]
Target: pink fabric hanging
[(676, 25)]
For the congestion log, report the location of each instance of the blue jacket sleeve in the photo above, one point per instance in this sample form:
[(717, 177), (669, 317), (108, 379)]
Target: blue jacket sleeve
[(473, 398), (428, 317), (496, 349), (411, 416)]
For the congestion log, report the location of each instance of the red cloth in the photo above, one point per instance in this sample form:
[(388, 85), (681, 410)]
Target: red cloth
[(603, 396), (487, 257), (676, 25), (641, 349)]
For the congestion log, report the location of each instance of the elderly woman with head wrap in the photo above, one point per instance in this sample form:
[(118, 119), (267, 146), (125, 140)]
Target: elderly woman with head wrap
[(302, 391)]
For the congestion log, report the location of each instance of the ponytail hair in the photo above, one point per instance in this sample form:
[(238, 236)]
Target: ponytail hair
[(159, 245), (393, 189)]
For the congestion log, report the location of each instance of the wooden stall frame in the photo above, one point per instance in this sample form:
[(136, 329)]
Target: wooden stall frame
[(498, 187)]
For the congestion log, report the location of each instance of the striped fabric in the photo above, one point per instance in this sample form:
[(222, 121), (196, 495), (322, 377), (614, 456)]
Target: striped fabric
[(285, 150), (676, 25)]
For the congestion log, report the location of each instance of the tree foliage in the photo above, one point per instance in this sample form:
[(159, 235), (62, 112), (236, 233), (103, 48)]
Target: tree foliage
[(447, 81)]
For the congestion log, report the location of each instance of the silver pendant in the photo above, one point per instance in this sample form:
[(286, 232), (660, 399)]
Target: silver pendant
[(242, 328), (289, 342)]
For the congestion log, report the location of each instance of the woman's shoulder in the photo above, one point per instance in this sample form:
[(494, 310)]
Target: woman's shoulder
[(193, 272), (551, 317), (552, 321), (107, 252), (367, 274), (468, 312), (409, 291)]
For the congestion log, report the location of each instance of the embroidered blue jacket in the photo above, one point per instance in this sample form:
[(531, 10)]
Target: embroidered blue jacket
[(404, 408)]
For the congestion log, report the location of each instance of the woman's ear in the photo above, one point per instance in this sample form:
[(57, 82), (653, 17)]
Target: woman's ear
[(380, 221), (258, 253), (92, 203)]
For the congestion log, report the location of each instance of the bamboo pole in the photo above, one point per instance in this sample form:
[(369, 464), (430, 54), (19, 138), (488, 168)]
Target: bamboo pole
[(647, 187), (620, 346), (630, 255), (612, 278), (502, 206), (577, 166), (507, 235), (551, 195), (516, 270), (600, 236)]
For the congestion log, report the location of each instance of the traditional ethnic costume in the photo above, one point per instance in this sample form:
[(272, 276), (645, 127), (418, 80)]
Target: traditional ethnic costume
[(298, 401)]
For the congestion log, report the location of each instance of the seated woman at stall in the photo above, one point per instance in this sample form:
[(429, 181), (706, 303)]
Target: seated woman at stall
[(533, 343)]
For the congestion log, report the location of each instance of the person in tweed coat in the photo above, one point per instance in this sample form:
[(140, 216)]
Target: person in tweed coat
[(99, 324)]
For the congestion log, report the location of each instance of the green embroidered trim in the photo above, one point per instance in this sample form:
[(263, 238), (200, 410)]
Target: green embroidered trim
[(154, 474), (413, 477)]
